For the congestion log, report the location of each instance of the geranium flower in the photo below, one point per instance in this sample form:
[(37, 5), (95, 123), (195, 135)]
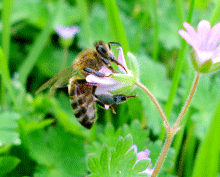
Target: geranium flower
[(67, 32), (143, 155), (112, 82), (107, 84), (204, 42)]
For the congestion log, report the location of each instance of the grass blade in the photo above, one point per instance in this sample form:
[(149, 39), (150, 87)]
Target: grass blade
[(6, 19), (207, 159), (6, 76), (118, 31)]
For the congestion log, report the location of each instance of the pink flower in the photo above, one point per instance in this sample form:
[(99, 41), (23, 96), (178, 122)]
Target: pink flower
[(143, 155), (67, 32), (107, 84), (205, 41)]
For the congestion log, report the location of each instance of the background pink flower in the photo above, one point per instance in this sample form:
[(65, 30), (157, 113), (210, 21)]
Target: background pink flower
[(204, 41)]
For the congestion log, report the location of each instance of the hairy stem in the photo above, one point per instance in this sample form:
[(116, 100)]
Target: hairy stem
[(165, 149), (166, 123), (174, 129), (187, 102)]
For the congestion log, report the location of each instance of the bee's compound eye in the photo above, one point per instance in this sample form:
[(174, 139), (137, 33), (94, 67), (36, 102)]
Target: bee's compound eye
[(101, 49)]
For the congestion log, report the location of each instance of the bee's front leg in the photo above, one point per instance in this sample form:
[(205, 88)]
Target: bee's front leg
[(92, 71), (108, 64)]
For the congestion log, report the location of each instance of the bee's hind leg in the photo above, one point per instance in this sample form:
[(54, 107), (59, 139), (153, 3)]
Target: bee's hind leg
[(103, 106), (91, 71)]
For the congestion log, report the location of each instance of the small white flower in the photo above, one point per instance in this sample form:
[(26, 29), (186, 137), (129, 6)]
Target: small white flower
[(67, 32)]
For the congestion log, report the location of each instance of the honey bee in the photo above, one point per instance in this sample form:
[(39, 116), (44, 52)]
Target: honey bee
[(82, 95)]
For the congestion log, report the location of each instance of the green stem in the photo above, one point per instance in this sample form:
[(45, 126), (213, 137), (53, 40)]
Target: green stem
[(175, 128), (165, 149), (166, 123), (65, 55)]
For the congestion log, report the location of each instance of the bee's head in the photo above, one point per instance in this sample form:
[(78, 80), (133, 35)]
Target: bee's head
[(105, 50)]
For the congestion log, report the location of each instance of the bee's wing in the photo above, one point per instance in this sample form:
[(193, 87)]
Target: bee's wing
[(58, 79), (61, 82)]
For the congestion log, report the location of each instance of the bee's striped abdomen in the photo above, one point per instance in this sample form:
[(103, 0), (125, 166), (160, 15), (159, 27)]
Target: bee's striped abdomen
[(82, 101)]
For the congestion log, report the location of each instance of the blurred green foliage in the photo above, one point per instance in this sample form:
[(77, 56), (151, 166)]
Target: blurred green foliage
[(39, 135)]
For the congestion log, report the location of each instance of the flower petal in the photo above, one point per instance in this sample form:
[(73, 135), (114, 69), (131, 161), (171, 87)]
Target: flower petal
[(67, 32), (216, 60), (191, 31), (148, 171), (204, 31), (104, 70), (91, 78), (143, 154), (121, 60), (216, 57), (204, 56), (214, 37), (186, 36)]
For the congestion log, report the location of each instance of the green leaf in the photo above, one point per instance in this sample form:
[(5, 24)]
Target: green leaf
[(214, 67), (141, 165), (126, 90), (134, 66), (126, 163), (128, 142), (128, 79), (206, 66), (105, 161), (56, 152), (119, 147), (8, 128), (7, 164), (93, 164), (194, 61)]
